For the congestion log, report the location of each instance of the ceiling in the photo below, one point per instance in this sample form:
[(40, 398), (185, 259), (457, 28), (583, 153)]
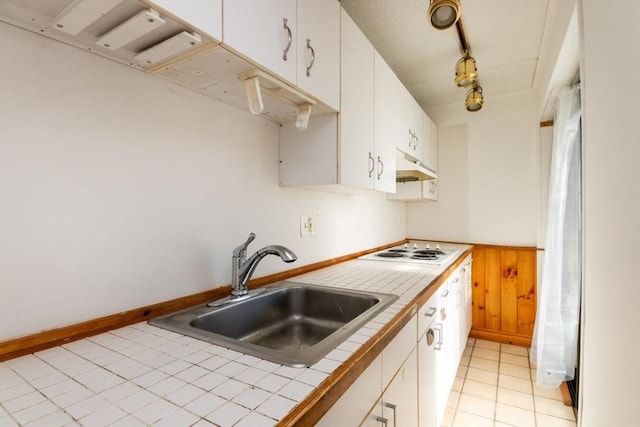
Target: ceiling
[(505, 37)]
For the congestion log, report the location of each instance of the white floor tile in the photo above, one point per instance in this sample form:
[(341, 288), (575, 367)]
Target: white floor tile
[(485, 364), (549, 393), (515, 359), (452, 401), (514, 349), (514, 383), (515, 416), (515, 398), (482, 376), (489, 345), (515, 371), (476, 405), (464, 419), (544, 420), (555, 408), (478, 389), (486, 354)]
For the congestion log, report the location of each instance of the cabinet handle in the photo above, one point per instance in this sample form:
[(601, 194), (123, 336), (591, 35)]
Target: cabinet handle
[(416, 141), (438, 329), (393, 408), (372, 163), (413, 138), (382, 420), (445, 294), (313, 57), (289, 39), (431, 312), (381, 163), (456, 280)]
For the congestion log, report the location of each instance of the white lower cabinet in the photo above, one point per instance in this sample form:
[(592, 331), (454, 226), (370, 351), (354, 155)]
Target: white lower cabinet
[(408, 384), (400, 399), (358, 400)]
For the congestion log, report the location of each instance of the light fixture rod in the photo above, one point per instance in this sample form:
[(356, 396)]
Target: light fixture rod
[(464, 44)]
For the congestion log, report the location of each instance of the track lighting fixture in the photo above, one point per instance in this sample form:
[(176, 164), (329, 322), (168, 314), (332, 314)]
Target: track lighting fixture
[(466, 71), (474, 99), (443, 13)]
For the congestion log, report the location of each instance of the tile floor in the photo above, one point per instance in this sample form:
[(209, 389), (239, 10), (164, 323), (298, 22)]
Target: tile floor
[(495, 387)]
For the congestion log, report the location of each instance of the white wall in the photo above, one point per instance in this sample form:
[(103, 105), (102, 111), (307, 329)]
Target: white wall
[(502, 183), (448, 218), (609, 386), (119, 190)]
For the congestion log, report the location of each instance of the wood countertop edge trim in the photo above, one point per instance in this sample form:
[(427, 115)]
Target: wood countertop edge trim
[(21, 346), (315, 405)]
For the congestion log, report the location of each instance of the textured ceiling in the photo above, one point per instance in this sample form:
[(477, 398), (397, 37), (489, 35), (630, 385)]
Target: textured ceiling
[(505, 37)]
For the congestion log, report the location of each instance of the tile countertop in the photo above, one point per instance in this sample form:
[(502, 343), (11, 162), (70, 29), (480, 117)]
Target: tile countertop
[(142, 375)]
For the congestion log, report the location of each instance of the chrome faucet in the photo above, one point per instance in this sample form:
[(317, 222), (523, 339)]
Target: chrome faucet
[(242, 268)]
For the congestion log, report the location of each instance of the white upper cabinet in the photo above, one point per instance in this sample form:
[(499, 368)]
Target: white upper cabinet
[(357, 162), (318, 45), (388, 128), (263, 32), (342, 148), (298, 41), (414, 125), (204, 15), (430, 153)]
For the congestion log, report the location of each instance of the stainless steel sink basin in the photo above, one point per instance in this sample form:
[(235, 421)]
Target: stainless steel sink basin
[(290, 323)]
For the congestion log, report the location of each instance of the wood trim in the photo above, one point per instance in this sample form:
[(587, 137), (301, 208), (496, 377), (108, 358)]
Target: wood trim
[(501, 337), (547, 123), (310, 410), (59, 336), (566, 396)]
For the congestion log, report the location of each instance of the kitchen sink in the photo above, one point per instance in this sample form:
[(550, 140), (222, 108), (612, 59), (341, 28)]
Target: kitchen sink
[(290, 323)]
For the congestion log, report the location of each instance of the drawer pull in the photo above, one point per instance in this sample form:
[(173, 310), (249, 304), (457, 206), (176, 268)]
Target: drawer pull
[(431, 312), (382, 420)]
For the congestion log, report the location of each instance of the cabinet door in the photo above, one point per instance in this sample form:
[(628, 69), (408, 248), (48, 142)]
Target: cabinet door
[(358, 400), (412, 118), (388, 130), (319, 50), (204, 15), (427, 379), (256, 30), (427, 153), (357, 157), (400, 399)]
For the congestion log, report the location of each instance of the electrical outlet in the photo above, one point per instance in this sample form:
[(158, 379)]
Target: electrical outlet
[(308, 225)]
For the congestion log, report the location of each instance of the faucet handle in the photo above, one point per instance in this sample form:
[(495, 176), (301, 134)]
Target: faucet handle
[(241, 250)]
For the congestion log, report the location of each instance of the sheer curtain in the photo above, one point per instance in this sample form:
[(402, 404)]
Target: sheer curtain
[(555, 335)]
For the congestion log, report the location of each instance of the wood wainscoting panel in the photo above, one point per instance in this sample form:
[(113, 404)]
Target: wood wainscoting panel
[(504, 293), (527, 280), (492, 284)]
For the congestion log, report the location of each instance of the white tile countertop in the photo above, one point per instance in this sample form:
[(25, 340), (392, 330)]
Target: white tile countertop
[(143, 375)]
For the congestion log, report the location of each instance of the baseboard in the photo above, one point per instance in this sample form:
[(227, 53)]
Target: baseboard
[(501, 337)]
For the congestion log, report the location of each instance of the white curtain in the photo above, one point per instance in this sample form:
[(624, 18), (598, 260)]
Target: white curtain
[(555, 335)]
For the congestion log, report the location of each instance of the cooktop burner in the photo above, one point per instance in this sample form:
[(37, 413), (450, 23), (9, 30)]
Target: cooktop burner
[(408, 254), (390, 254), (424, 256)]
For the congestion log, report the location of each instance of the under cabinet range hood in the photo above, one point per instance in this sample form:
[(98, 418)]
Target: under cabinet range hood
[(141, 35), (408, 168)]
